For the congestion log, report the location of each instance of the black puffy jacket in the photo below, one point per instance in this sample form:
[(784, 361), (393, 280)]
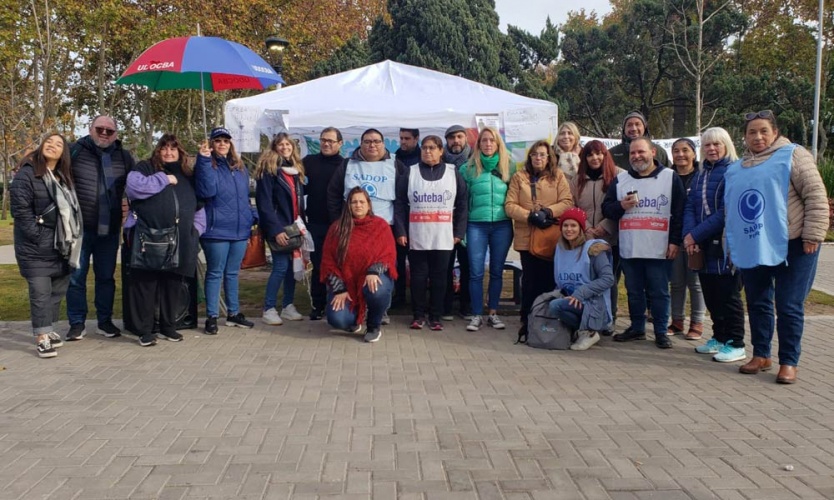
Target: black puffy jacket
[(87, 174), (34, 243)]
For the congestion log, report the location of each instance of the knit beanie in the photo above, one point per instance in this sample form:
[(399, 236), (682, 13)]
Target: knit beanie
[(576, 214), (636, 114)]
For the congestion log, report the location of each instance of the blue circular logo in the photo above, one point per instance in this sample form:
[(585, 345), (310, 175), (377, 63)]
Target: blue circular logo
[(370, 188), (751, 205)]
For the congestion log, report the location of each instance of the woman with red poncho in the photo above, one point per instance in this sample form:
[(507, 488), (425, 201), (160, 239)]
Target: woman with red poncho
[(359, 266)]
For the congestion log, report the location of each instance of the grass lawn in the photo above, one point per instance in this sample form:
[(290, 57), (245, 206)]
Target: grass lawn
[(6, 230), (14, 297)]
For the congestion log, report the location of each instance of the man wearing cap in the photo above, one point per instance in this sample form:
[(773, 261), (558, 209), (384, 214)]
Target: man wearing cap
[(372, 168), (99, 168), (648, 201), (457, 152), (634, 126)]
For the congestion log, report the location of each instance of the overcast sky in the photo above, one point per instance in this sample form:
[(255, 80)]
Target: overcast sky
[(531, 14)]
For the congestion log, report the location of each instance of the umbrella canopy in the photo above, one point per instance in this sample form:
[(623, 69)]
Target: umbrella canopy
[(200, 62)]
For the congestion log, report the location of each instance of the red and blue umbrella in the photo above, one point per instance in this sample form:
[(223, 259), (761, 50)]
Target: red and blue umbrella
[(200, 62)]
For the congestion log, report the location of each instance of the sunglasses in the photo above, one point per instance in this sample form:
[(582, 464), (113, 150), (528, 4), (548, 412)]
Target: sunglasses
[(327, 141), (107, 132), (222, 141), (766, 114)]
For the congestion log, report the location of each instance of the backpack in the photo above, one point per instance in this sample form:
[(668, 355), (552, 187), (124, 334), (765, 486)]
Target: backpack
[(545, 331)]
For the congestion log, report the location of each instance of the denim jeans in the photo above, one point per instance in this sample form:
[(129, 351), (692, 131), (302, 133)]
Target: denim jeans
[(103, 250), (45, 296), (497, 237), (684, 278), (223, 260), (648, 278), (281, 273), (569, 315), (377, 303), (790, 283)]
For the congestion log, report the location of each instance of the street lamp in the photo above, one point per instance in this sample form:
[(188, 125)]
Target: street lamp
[(275, 46)]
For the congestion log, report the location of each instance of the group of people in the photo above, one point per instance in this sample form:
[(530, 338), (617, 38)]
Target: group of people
[(579, 217)]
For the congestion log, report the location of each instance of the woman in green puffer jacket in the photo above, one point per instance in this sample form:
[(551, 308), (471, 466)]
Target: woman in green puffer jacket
[(487, 175)]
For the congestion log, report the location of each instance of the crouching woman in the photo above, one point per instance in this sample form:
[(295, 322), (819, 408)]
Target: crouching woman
[(359, 266), (583, 273)]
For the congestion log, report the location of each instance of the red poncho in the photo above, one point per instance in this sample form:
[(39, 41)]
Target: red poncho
[(371, 242)]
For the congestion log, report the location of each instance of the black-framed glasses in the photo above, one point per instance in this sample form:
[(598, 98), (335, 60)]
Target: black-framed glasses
[(765, 113), (372, 142), (328, 141), (107, 132)]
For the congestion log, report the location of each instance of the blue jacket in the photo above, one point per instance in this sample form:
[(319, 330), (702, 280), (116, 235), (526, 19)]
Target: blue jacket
[(705, 229), (229, 216), (274, 198)]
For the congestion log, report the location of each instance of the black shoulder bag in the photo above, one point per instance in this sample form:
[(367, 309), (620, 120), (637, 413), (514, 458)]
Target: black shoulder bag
[(156, 249)]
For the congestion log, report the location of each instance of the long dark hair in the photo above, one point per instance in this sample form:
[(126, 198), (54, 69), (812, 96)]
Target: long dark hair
[(38, 160), (172, 141), (345, 227), (609, 169)]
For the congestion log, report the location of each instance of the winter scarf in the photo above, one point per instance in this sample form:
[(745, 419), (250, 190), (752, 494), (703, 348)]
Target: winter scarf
[(68, 228), (371, 243), (456, 159)]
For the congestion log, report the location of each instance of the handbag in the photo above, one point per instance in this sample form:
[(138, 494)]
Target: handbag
[(543, 240), (255, 255), (296, 239), (155, 249)]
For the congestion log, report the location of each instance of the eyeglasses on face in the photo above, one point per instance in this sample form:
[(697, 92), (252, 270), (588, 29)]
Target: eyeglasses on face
[(107, 132), (222, 140), (766, 114), (430, 147), (328, 141), (538, 155), (372, 142)]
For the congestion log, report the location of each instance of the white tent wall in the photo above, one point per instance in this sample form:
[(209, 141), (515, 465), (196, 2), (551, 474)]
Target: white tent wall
[(387, 96)]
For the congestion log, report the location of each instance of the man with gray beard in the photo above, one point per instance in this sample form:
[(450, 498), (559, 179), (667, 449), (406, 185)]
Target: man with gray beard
[(648, 201)]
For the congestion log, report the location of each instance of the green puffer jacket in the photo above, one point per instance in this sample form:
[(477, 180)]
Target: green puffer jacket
[(487, 193)]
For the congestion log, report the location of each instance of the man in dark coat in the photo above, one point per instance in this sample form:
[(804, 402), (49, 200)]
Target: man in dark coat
[(99, 167), (634, 126)]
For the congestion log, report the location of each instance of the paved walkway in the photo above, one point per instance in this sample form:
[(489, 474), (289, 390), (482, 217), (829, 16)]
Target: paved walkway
[(300, 412)]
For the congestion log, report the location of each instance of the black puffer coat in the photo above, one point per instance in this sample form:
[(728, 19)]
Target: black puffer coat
[(87, 174), (34, 243)]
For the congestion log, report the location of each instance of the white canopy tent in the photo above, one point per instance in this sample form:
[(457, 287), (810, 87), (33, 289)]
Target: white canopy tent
[(387, 96)]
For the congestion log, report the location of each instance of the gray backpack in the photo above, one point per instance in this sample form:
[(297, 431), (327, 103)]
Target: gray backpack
[(545, 331)]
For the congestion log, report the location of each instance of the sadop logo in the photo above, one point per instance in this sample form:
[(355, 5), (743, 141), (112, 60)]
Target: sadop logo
[(370, 188), (751, 205)]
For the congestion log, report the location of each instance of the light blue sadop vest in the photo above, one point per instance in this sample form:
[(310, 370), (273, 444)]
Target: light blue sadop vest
[(756, 204), (571, 271)]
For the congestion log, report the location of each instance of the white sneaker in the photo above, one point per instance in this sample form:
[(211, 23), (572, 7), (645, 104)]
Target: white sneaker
[(291, 313), (475, 323), (584, 340), (494, 321), (271, 317)]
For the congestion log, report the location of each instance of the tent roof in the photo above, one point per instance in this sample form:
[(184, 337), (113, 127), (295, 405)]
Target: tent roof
[(386, 92)]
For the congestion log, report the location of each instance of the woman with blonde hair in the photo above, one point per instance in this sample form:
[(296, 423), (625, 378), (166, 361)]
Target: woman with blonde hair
[(279, 196), (567, 149), (487, 175)]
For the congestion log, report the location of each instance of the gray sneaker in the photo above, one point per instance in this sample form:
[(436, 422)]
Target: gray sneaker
[(475, 323), (494, 321), (373, 335), (386, 320), (55, 340)]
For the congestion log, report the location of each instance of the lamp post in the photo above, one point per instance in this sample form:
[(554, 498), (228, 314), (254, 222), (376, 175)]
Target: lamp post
[(275, 46)]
